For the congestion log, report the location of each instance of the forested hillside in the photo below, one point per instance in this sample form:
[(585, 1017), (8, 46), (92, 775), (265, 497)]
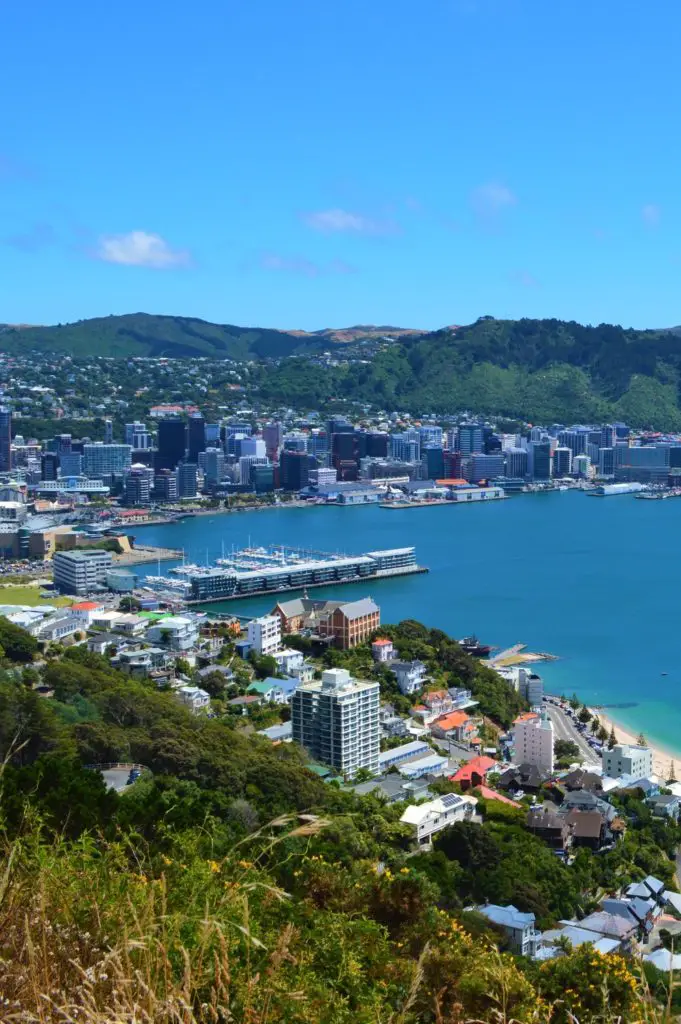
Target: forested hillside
[(538, 370)]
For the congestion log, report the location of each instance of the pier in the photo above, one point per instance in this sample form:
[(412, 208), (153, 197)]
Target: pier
[(518, 655)]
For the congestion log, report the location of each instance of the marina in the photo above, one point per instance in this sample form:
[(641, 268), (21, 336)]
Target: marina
[(270, 569)]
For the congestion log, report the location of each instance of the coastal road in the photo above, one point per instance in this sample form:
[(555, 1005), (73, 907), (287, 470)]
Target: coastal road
[(565, 729)]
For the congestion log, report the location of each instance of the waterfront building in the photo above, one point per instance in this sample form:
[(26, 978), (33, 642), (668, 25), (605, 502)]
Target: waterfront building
[(625, 759), (433, 460), (261, 477), (294, 470), (576, 440), (5, 439), (539, 460), (516, 463), (486, 467), (606, 461), (70, 485), (172, 442), (196, 436), (79, 572), (264, 634), (187, 480), (323, 477), (532, 735), (427, 819), (642, 463), (279, 573), (106, 460), (562, 461), (336, 720), (581, 466)]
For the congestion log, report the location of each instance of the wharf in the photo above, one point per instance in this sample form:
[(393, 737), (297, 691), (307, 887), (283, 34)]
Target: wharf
[(518, 655), (407, 570), (141, 555)]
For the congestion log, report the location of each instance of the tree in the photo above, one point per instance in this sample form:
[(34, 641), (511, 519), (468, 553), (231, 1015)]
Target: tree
[(574, 702), (641, 740), (612, 738), (584, 715)]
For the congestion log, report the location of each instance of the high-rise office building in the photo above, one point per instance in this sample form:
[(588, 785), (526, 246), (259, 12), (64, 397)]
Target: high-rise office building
[(294, 470), (336, 720), (539, 460), (172, 442), (470, 439), (105, 460), (253, 446), (606, 461), (562, 461), (486, 467), (272, 435), (49, 465), (137, 489), (165, 485), (5, 439), (108, 432), (433, 459), (261, 477), (196, 436), (213, 435), (70, 464), (137, 436), (246, 462), (187, 476), (212, 461), (516, 463), (430, 435)]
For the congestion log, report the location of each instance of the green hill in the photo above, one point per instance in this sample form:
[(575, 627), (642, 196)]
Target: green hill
[(142, 334), (538, 370)]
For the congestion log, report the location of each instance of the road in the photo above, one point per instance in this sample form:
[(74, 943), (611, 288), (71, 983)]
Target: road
[(565, 729)]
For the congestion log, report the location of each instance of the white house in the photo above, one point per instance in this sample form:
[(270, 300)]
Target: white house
[(264, 634), (175, 632), (410, 675), (430, 818), (87, 611), (520, 928), (532, 735), (625, 759), (382, 649), (194, 697), (289, 660)]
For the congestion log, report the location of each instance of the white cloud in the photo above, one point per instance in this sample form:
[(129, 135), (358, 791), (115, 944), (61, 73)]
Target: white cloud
[(336, 220), (650, 214), (491, 199), (141, 249)]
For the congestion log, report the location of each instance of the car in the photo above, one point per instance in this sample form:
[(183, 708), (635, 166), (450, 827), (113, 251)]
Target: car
[(133, 776)]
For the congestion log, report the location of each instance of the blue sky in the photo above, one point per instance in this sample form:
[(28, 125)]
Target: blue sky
[(307, 164)]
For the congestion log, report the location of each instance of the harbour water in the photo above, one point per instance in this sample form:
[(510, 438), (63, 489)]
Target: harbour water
[(595, 582)]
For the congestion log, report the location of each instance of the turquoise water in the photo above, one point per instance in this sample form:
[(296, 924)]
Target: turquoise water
[(594, 581)]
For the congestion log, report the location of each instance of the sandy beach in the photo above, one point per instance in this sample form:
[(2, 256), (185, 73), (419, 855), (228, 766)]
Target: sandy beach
[(662, 757)]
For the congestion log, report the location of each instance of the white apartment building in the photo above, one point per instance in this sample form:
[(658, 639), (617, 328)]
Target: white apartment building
[(429, 818), (624, 759), (533, 740), (264, 634), (336, 720), (79, 572)]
